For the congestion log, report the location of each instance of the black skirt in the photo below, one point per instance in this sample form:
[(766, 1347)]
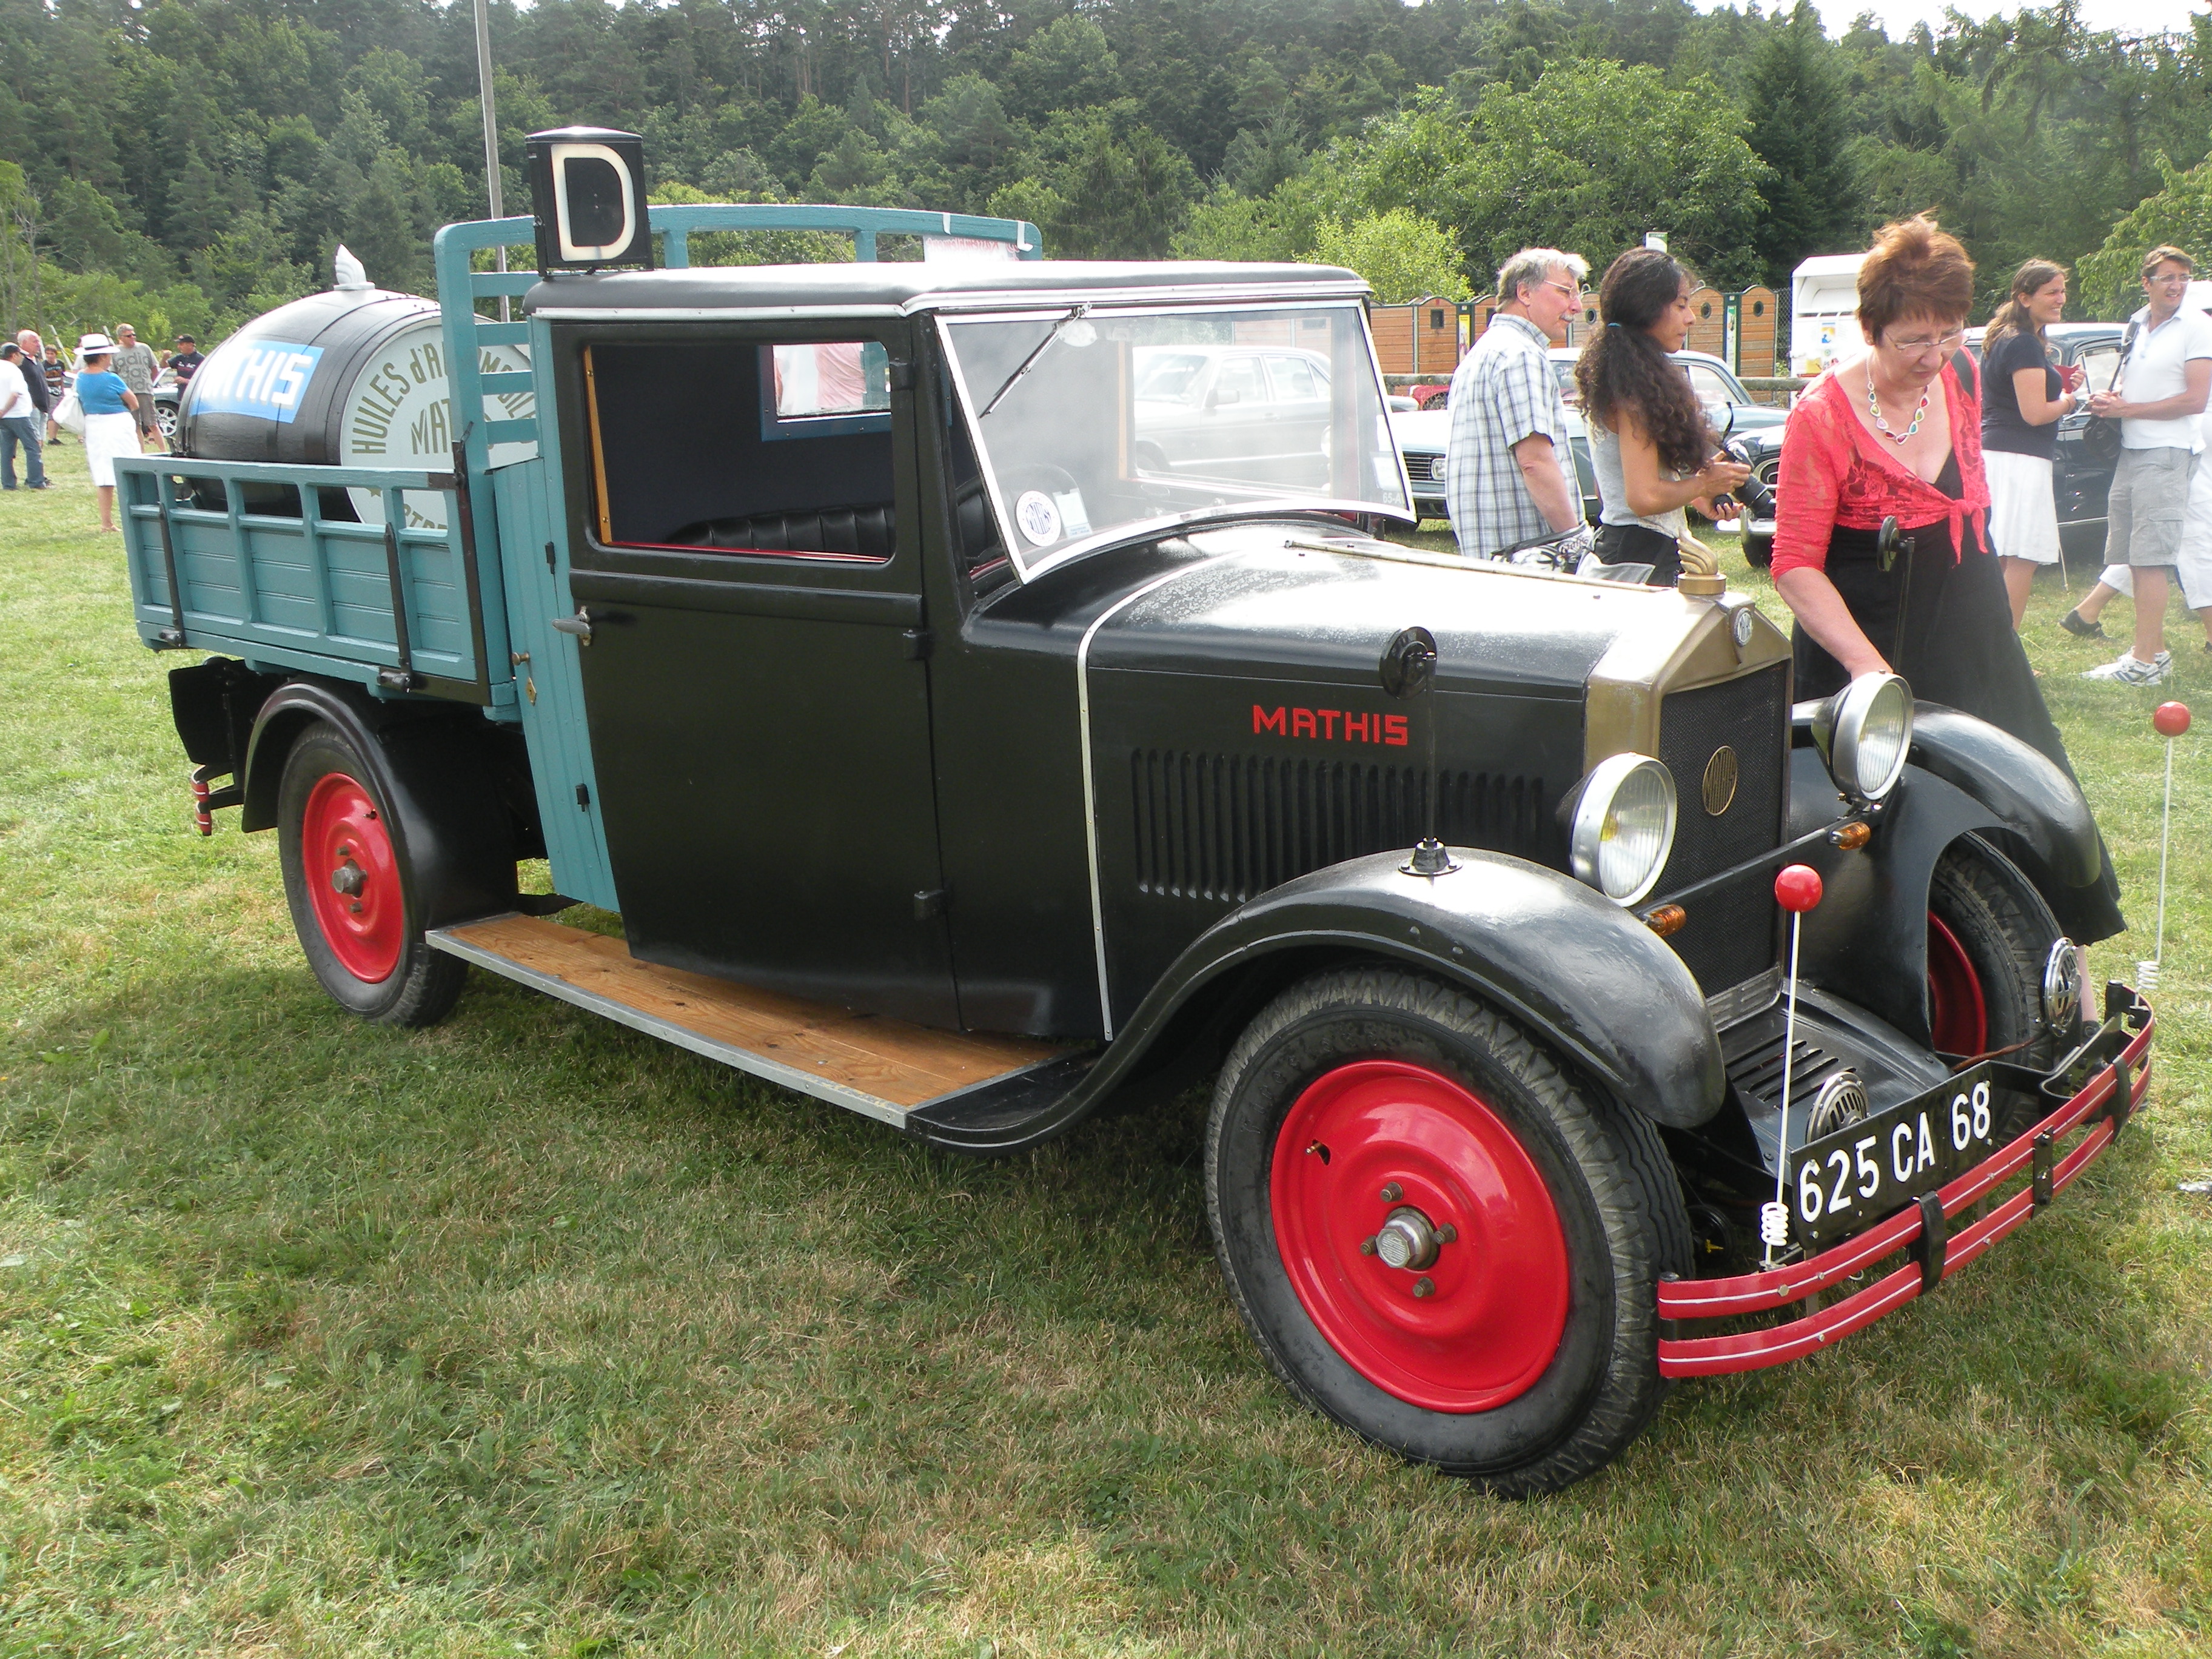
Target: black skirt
[(1945, 623)]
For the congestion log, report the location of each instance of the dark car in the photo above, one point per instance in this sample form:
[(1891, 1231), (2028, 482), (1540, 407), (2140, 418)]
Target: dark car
[(950, 755), (2082, 473)]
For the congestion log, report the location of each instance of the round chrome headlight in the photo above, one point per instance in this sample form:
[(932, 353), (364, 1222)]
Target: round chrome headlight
[(1865, 730), (1624, 827)]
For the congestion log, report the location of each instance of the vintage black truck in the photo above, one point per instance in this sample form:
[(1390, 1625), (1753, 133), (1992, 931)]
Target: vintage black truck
[(977, 689)]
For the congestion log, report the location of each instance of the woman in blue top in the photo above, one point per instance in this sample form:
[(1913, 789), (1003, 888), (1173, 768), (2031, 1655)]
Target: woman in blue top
[(110, 427)]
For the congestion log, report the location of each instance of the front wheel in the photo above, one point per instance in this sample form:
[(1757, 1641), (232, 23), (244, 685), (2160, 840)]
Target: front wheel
[(1989, 936), (1437, 1237), (352, 895)]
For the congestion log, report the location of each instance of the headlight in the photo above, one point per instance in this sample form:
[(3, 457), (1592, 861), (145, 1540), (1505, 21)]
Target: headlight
[(1865, 732), (1624, 826)]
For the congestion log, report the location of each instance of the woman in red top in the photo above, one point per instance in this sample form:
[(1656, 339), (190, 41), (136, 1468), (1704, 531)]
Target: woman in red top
[(1898, 433)]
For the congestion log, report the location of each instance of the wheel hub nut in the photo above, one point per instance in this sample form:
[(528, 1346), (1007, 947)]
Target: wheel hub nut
[(347, 880), (1408, 1240)]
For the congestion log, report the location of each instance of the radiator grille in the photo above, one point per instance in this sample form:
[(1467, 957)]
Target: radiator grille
[(1424, 469), (1226, 827), (1731, 933)]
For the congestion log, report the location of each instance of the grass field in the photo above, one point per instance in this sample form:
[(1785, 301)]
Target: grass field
[(527, 1334)]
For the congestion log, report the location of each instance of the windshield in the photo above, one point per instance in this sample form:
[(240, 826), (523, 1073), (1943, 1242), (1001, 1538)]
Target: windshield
[(1113, 419)]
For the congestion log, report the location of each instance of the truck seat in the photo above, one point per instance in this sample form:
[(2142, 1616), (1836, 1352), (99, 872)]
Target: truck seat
[(866, 532)]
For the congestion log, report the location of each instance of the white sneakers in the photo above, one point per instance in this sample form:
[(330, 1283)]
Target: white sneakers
[(2130, 670)]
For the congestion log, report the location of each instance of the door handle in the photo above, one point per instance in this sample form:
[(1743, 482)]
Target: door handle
[(580, 625)]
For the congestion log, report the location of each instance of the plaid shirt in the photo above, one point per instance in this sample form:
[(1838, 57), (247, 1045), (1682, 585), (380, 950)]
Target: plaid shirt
[(1503, 391)]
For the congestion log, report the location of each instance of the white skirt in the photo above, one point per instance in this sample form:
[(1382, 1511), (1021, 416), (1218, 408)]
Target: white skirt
[(107, 436), (2023, 510)]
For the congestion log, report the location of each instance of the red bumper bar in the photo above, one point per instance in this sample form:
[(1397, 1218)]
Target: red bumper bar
[(1751, 1351)]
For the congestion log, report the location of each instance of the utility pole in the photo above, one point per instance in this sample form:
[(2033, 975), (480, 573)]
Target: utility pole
[(491, 131)]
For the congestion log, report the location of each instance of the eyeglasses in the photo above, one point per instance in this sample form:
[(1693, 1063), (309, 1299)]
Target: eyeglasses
[(1950, 340), (2169, 277), (1572, 290)]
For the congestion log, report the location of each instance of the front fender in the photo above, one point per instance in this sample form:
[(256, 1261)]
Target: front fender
[(2027, 794), (1581, 973), (1867, 939)]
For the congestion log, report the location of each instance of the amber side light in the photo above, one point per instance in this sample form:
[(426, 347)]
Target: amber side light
[(1852, 836), (1666, 919)]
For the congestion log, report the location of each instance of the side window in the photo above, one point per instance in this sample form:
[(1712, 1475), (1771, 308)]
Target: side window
[(2099, 363), (1239, 382), (1709, 387), (741, 447), (1295, 380)]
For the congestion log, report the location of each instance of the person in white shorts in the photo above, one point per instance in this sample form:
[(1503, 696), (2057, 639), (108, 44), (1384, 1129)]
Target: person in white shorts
[(2023, 398), (2163, 383)]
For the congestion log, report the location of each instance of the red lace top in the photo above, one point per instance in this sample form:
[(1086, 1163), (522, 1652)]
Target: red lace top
[(1835, 474)]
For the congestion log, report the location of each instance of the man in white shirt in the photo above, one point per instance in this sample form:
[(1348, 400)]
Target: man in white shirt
[(2163, 382), (17, 414)]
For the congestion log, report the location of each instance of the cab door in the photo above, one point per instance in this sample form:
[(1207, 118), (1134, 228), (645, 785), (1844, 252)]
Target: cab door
[(747, 576)]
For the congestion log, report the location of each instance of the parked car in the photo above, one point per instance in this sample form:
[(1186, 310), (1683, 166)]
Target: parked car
[(168, 392), (2081, 474), (1422, 437), (1256, 415)]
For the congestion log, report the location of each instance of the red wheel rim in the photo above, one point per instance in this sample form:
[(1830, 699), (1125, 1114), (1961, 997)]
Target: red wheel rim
[(1491, 1319), (353, 877), (1958, 1015)]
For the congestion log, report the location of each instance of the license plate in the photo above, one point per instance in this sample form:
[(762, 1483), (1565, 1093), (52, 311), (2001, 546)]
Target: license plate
[(1846, 1182)]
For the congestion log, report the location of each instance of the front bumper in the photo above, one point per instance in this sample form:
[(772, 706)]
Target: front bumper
[(2115, 1060)]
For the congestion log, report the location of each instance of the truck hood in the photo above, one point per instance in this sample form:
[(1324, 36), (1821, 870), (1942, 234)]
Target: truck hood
[(1299, 602)]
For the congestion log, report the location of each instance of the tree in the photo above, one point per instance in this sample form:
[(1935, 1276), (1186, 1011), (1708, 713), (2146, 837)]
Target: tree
[(1589, 159), (21, 293), (1801, 130), (1403, 256), (2180, 214)]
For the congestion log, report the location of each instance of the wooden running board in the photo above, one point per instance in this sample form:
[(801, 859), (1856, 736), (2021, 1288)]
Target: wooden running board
[(884, 1068)]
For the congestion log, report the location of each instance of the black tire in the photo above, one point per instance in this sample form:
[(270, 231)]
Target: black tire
[(1620, 1213), (2003, 930), (422, 984), (1758, 551)]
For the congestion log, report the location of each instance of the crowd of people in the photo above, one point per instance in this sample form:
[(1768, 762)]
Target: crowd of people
[(1959, 455), (106, 395)]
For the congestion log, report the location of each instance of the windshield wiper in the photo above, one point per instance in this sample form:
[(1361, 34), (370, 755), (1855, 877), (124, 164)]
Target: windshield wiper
[(1029, 361)]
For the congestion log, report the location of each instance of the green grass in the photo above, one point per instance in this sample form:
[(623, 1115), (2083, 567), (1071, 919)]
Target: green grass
[(528, 1335)]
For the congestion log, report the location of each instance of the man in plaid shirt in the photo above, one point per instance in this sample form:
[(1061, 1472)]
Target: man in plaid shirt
[(1509, 473)]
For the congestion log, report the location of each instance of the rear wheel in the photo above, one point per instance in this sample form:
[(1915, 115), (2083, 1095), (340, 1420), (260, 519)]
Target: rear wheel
[(1989, 936), (353, 899), (1437, 1237)]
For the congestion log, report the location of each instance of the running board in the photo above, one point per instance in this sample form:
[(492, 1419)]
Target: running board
[(884, 1069)]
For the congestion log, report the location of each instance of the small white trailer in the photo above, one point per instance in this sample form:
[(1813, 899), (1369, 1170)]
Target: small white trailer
[(1824, 303)]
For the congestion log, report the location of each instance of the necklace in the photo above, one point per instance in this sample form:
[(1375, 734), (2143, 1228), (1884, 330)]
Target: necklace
[(1880, 425)]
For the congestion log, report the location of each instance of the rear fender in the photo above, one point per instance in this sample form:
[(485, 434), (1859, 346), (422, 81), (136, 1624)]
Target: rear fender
[(455, 839), (1576, 971)]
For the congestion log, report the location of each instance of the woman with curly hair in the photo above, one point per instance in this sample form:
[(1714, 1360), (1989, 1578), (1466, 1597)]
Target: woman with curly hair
[(1650, 446)]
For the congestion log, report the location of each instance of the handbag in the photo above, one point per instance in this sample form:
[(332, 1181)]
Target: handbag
[(68, 413)]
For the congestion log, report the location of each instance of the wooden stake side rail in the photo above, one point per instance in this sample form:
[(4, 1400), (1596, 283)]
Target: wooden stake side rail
[(883, 1068)]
